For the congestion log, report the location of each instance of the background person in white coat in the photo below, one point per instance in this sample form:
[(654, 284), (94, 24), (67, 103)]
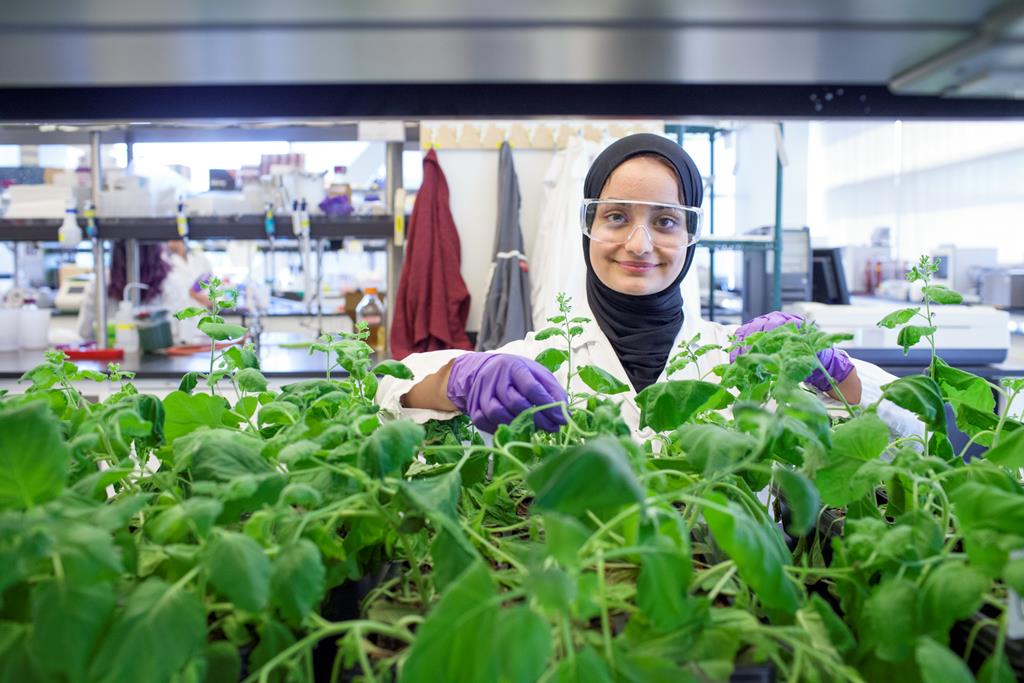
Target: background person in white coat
[(640, 228)]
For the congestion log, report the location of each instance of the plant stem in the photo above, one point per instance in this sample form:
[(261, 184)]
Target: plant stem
[(606, 631), (327, 629), (414, 564)]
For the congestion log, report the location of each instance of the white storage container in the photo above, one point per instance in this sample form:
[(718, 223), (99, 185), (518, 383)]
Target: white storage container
[(9, 319), (34, 328)]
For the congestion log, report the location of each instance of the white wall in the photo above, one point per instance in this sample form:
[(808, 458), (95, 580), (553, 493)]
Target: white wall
[(755, 175), (472, 176)]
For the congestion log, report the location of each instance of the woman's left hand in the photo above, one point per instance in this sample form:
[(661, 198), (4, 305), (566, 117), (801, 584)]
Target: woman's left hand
[(835, 362)]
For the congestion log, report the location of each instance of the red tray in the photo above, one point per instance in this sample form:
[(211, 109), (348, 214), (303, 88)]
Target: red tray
[(94, 354)]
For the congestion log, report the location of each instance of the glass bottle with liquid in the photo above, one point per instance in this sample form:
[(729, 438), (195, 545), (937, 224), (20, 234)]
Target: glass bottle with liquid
[(370, 310)]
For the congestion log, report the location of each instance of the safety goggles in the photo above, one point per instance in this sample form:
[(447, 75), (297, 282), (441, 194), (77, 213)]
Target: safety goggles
[(615, 221)]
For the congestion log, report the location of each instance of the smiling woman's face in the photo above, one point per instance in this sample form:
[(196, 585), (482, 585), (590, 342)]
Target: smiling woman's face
[(637, 266)]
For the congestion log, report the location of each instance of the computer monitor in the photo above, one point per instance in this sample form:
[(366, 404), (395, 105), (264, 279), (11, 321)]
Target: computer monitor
[(828, 280)]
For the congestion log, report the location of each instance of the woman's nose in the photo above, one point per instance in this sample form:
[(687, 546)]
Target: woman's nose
[(639, 241)]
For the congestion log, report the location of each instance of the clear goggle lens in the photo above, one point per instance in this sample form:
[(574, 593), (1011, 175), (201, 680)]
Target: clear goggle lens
[(614, 221)]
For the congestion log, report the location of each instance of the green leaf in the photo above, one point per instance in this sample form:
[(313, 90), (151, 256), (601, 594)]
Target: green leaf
[(278, 413), (997, 669), (938, 664), (238, 569), (71, 617), (528, 659), (564, 536), (985, 507), (167, 623), (186, 413), (190, 312), (594, 476), (251, 379), (890, 620), (223, 663), (298, 580), (458, 636), (711, 448), (88, 553), (393, 368), (1009, 452), (222, 331), (920, 395), (665, 570), (242, 357), (900, 317), (601, 381), (911, 335), (548, 332), (33, 455), (942, 295), (839, 634), (667, 405), (552, 359), (391, 448), (220, 455), (587, 667), (300, 494), (188, 382), (854, 443), (803, 499), (452, 555), (434, 496), (758, 551), (192, 515), (274, 638), (552, 589), (1013, 574), (952, 591)]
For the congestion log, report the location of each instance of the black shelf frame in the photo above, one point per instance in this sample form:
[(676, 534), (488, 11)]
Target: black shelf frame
[(248, 227)]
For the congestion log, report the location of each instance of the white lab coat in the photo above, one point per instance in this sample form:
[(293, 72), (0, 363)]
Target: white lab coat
[(593, 348), (556, 256), (176, 287)]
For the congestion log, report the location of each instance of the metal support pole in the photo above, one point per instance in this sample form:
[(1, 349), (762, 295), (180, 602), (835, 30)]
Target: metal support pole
[(393, 166), (319, 286), (97, 245), (129, 143), (711, 230), (134, 270), (777, 248)]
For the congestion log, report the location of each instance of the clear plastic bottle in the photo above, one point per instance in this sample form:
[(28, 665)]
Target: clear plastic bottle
[(127, 332), (370, 310)]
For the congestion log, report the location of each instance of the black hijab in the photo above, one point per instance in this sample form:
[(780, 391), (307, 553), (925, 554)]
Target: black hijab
[(642, 328)]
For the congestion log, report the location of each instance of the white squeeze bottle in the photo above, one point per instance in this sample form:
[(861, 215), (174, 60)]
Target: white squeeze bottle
[(126, 334)]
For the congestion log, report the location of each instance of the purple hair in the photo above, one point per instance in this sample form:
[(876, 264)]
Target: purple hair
[(153, 270)]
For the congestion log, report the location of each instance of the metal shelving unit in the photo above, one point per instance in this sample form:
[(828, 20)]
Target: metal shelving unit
[(248, 227), (742, 243)]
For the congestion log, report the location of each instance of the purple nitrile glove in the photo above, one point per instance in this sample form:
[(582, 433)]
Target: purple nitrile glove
[(835, 361), (493, 388)]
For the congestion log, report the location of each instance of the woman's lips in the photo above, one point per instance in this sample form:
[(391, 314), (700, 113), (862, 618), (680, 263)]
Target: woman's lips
[(637, 266)]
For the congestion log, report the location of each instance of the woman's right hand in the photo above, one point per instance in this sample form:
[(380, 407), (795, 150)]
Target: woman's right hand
[(493, 388)]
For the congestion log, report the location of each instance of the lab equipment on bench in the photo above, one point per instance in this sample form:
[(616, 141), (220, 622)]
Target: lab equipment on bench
[(967, 335), (828, 279), (1003, 288), (71, 293), (758, 268), (962, 268)]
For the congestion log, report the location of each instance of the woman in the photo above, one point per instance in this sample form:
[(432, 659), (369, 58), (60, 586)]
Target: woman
[(172, 275), (640, 225)]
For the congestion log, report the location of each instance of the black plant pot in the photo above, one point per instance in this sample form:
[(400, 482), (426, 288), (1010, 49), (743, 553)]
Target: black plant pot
[(343, 603)]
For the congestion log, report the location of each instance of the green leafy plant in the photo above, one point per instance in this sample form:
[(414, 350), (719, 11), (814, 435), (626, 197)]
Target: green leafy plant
[(196, 539)]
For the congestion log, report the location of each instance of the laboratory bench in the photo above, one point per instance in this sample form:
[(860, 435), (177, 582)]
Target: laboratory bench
[(282, 361)]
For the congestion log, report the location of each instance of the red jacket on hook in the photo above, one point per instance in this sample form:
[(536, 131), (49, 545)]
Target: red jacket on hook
[(432, 303)]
